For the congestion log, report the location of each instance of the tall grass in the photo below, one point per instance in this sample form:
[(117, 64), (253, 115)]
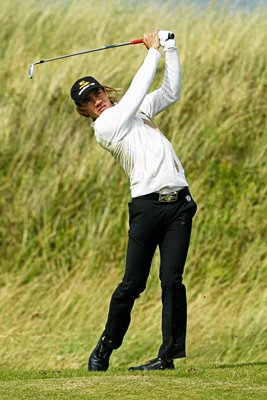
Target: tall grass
[(63, 221)]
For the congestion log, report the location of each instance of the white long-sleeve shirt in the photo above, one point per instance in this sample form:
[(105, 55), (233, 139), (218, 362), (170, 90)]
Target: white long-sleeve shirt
[(127, 132)]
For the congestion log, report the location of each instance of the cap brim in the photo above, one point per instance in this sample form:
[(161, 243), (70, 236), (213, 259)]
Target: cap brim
[(84, 94)]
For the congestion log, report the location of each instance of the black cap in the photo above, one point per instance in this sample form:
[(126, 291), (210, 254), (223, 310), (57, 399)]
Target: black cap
[(82, 87)]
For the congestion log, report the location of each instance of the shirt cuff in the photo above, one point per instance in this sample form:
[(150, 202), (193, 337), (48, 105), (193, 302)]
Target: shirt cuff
[(156, 53)]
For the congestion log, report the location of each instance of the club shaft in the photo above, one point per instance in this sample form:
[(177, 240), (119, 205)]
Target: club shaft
[(91, 51)]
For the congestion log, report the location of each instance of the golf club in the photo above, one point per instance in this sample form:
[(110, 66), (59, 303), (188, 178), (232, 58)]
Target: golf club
[(137, 41), (30, 72)]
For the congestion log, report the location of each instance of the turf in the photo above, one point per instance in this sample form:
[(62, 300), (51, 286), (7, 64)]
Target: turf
[(190, 381)]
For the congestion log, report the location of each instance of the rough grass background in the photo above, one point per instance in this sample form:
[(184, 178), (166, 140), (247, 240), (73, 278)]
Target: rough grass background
[(63, 200)]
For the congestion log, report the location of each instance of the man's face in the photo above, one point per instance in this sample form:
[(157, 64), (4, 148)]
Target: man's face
[(96, 102)]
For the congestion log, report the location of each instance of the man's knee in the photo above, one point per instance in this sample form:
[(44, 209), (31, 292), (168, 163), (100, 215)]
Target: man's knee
[(172, 282), (130, 289)]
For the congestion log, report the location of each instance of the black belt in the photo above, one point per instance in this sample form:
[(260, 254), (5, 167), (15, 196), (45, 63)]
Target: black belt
[(167, 197)]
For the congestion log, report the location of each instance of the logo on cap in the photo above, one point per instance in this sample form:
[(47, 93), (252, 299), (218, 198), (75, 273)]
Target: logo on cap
[(82, 84), (85, 87)]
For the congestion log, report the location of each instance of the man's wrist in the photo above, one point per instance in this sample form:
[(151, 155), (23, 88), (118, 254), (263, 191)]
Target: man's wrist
[(170, 49), (153, 49)]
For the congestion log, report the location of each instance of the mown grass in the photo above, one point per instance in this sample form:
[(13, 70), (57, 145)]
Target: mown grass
[(63, 200), (193, 382)]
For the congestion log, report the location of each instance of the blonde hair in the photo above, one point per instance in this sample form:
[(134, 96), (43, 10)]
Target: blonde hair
[(113, 94)]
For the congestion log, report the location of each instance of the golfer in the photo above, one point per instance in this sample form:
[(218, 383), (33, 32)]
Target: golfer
[(161, 209)]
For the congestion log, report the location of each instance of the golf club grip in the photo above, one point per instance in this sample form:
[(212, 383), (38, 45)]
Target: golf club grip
[(137, 41)]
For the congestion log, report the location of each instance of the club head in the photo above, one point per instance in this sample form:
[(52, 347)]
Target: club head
[(30, 72)]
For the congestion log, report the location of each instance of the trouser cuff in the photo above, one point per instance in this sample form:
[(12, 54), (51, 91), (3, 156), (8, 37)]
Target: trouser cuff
[(172, 356)]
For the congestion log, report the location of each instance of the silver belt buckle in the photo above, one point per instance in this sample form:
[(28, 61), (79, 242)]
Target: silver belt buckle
[(168, 197)]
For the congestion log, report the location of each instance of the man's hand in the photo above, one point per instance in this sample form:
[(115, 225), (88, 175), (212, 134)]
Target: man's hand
[(165, 41), (151, 40)]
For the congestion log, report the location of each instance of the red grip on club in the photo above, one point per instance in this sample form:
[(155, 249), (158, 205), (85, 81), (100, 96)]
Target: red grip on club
[(137, 41)]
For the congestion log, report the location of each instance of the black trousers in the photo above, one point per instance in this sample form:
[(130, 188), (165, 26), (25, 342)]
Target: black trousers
[(152, 224)]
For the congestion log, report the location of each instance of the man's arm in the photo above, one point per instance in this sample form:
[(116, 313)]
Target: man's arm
[(116, 121), (170, 90)]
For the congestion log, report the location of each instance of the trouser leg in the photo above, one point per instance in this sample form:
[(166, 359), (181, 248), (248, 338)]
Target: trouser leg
[(173, 249), (140, 251)]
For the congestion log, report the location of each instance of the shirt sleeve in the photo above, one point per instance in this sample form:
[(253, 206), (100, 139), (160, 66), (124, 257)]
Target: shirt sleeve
[(116, 121), (170, 90)]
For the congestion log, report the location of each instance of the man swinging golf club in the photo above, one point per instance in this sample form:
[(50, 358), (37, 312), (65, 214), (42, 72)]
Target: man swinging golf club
[(161, 209)]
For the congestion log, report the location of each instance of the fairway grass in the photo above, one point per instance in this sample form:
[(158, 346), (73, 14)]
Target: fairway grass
[(189, 381)]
